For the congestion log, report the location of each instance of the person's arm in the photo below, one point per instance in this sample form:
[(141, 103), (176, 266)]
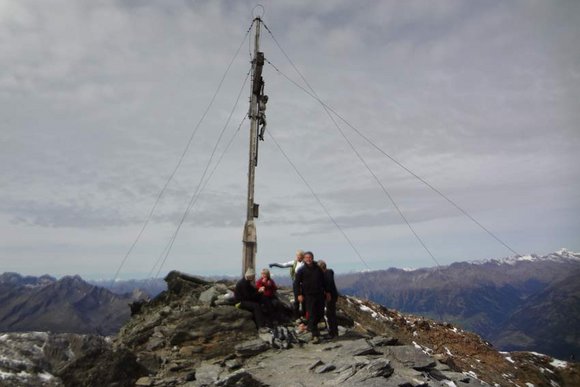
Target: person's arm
[(333, 284), (282, 265)]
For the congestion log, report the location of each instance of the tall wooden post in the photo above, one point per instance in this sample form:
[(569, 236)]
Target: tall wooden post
[(250, 240)]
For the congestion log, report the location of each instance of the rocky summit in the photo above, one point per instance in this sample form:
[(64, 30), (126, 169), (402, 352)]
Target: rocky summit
[(193, 335)]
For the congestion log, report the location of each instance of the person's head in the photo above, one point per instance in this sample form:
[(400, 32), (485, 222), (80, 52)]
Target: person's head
[(250, 274), (308, 258), (322, 264), (299, 255), (265, 273)]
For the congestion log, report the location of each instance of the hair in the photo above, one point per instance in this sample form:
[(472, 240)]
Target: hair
[(267, 272), (300, 253), (309, 253), (322, 264)]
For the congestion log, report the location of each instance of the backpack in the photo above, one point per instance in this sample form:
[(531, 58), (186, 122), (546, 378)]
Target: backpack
[(283, 338)]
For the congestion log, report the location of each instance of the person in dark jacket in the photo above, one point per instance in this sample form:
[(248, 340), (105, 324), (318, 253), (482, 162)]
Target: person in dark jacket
[(330, 303), (310, 287), (248, 297)]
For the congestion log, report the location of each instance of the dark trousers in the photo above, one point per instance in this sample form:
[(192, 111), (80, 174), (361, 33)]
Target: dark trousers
[(331, 317), (273, 309), (314, 304), (256, 310)]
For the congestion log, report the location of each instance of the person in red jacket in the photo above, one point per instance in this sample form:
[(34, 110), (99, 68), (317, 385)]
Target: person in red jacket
[(266, 285), (267, 288)]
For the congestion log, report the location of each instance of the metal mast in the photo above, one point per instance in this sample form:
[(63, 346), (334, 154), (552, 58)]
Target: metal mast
[(249, 240)]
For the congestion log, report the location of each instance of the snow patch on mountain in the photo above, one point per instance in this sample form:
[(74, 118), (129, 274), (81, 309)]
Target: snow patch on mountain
[(558, 256)]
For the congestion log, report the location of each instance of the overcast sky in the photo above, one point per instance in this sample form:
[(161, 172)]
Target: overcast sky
[(98, 100)]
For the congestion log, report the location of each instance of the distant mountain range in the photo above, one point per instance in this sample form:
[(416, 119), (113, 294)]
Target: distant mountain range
[(67, 305), (517, 303), (151, 286), (525, 302)]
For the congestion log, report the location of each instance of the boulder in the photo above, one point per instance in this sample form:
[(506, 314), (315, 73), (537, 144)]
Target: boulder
[(209, 296), (180, 283)]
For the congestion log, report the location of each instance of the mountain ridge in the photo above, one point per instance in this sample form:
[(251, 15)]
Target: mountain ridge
[(66, 305), (482, 296)]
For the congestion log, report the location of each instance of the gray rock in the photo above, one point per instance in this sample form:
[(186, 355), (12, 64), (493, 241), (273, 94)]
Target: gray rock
[(178, 283), (144, 381), (344, 375), (358, 347), (209, 296), (155, 343), (149, 361), (240, 378), (207, 374), (324, 368), (442, 366), (381, 341), (318, 363), (233, 364), (461, 379), (252, 347), (401, 381), (410, 356), (375, 369), (408, 377)]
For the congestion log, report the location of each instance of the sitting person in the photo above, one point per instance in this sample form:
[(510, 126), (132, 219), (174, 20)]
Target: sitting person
[(267, 287), (248, 298)]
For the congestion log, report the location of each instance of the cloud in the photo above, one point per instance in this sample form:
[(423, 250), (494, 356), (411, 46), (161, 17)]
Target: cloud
[(99, 100)]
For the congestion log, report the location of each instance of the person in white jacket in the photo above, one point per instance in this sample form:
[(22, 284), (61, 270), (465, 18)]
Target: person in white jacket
[(294, 266)]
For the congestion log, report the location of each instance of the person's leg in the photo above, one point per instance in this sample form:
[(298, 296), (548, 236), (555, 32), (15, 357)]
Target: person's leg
[(268, 311), (311, 304), (256, 310), (279, 312), (317, 312), (296, 306), (296, 309)]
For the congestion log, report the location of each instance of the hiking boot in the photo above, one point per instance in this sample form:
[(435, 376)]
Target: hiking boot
[(316, 340)]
